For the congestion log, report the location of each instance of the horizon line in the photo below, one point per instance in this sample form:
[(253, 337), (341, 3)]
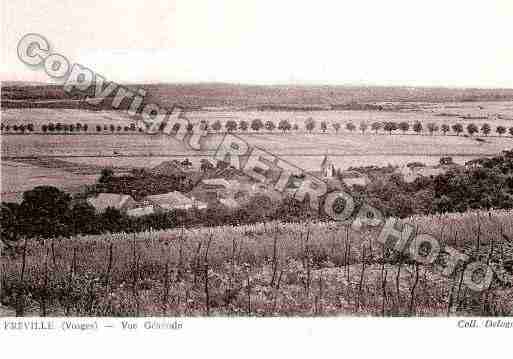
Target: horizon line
[(278, 84)]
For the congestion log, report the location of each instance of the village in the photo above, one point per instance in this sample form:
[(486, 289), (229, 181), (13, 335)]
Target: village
[(231, 188), (211, 186)]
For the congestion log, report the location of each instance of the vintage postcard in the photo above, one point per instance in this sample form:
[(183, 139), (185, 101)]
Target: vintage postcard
[(331, 162)]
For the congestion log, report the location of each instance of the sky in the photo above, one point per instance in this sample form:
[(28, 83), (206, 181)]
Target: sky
[(449, 43)]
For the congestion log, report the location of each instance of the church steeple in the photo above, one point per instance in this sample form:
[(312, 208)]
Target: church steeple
[(327, 167)]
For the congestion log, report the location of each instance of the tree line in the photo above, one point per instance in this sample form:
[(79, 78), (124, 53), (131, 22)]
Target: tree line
[(283, 125)]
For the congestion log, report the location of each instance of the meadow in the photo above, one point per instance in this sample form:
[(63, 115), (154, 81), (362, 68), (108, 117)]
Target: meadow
[(304, 150), (18, 177), (267, 269)]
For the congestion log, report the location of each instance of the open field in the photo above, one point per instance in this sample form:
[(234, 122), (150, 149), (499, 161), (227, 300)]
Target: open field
[(40, 116), (250, 96), (305, 150), (311, 269), (18, 177)]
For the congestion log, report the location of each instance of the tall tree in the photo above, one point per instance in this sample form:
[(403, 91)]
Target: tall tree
[(376, 126), (230, 125), (501, 130), (458, 128), (284, 125), (472, 128), (417, 127), (486, 129), (390, 126), (257, 124), (243, 125), (310, 124), (350, 126), (432, 127), (404, 126), (216, 126), (44, 212), (269, 125)]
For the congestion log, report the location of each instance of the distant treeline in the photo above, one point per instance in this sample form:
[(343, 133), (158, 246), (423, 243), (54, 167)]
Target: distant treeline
[(195, 96)]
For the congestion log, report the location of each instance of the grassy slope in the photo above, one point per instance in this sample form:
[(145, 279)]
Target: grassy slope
[(318, 269)]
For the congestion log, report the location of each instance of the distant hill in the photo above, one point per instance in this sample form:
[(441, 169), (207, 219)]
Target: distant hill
[(195, 96)]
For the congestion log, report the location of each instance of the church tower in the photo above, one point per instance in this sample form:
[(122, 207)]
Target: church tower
[(327, 168)]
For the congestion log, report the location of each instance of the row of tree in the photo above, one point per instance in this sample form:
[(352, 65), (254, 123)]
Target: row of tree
[(60, 127), (283, 125), (17, 128), (388, 126)]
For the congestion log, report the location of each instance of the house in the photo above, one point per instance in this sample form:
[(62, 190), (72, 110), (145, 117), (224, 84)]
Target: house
[(140, 211), (411, 174), (229, 202), (212, 189), (121, 202), (352, 178), (142, 208), (174, 200)]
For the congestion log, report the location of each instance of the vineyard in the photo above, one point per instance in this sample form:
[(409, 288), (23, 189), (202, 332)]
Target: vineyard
[(267, 269)]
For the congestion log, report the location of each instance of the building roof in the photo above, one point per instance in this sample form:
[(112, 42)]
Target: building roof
[(114, 200), (174, 197), (174, 200), (411, 174), (229, 202), (216, 182), (140, 211), (221, 182)]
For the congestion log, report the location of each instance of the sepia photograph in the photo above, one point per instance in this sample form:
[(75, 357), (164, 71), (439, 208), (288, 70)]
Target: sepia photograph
[(165, 162)]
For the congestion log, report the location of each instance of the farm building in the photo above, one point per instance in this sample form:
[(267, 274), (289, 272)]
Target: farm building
[(352, 178), (229, 202), (174, 200), (411, 174), (220, 186), (120, 202), (141, 211), (211, 190)]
